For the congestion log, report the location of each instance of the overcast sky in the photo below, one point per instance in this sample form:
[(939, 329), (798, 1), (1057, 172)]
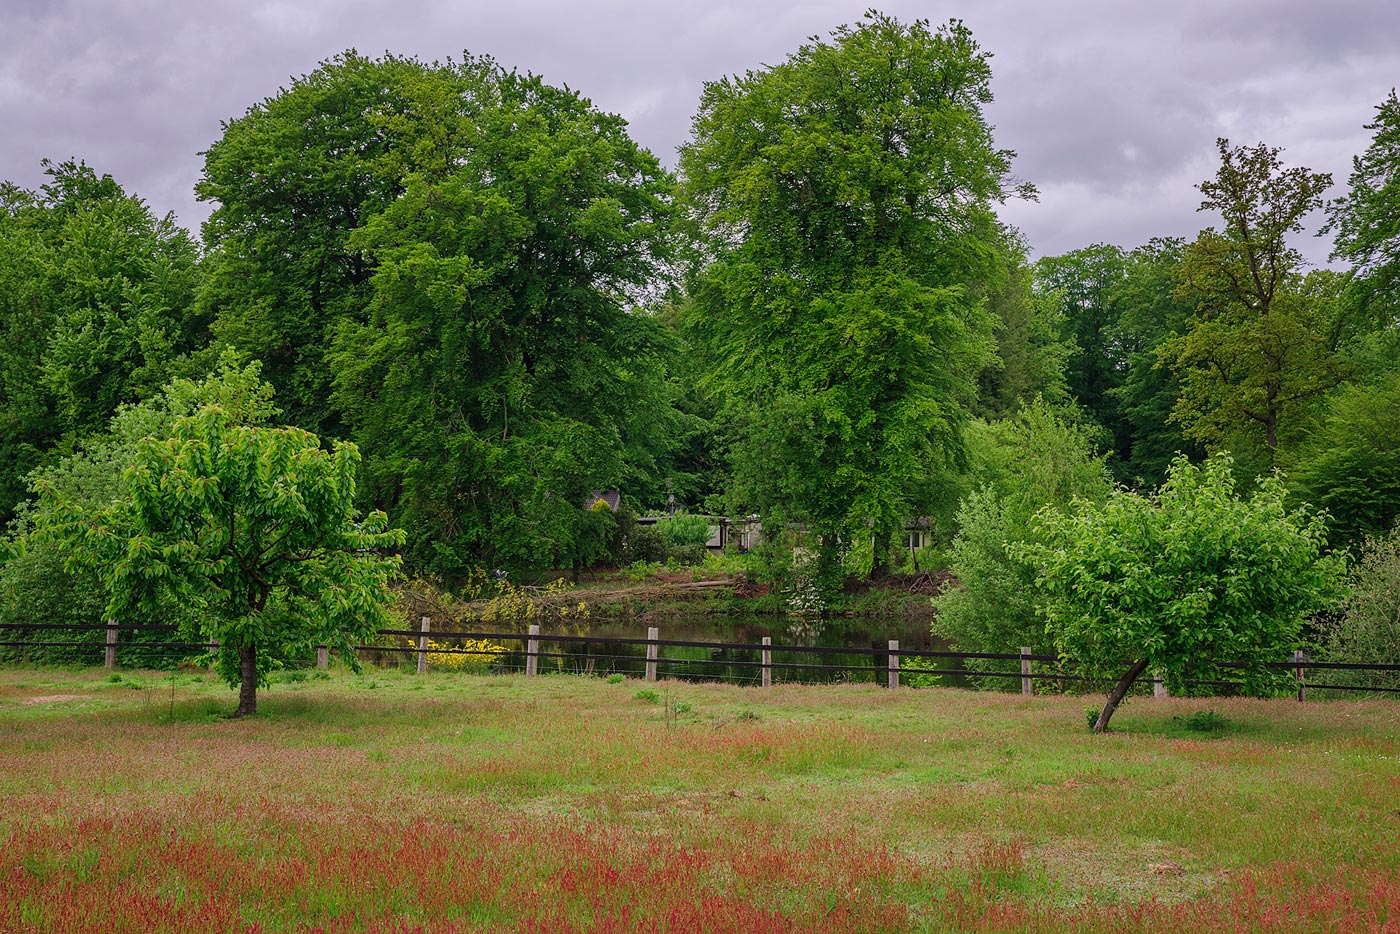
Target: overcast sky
[(1112, 105)]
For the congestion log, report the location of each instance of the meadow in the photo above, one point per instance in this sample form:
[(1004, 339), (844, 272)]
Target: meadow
[(389, 802)]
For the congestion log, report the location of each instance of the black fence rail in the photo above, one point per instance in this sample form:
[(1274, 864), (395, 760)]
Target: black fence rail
[(763, 663)]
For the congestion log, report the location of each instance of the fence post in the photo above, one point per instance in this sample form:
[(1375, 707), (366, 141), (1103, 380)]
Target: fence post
[(532, 651), (894, 664), (323, 656), (653, 633), (1298, 672), (423, 645), (1159, 686), (766, 677), (213, 653), (1027, 688), (110, 661)]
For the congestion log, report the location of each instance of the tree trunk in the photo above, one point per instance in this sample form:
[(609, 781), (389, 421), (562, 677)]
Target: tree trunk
[(1117, 693), (247, 681)]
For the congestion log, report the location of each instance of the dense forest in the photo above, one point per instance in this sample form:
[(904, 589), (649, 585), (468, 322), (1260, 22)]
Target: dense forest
[(818, 318)]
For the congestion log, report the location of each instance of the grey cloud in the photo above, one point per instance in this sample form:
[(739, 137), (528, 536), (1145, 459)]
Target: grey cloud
[(1113, 107)]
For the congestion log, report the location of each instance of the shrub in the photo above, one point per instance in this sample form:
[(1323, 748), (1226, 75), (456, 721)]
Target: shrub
[(1368, 631)]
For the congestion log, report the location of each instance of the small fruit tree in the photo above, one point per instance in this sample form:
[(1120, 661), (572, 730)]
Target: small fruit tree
[(1184, 581), (253, 531)]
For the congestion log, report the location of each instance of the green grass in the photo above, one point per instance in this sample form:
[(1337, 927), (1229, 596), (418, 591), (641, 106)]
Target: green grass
[(790, 808)]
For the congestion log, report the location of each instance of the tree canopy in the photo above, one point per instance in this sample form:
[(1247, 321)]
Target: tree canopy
[(252, 531), (842, 202), (1184, 583)]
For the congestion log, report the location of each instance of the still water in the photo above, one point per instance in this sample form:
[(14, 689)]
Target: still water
[(726, 648)]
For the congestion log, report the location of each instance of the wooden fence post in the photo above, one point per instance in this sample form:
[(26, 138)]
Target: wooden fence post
[(532, 651), (894, 665), (1298, 673), (423, 645), (653, 633), (1159, 687), (323, 656), (110, 661), (766, 677), (1027, 688)]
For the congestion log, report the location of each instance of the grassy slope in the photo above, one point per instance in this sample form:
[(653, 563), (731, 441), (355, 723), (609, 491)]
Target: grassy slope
[(498, 803)]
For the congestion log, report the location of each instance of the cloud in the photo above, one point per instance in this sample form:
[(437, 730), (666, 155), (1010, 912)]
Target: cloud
[(1113, 107)]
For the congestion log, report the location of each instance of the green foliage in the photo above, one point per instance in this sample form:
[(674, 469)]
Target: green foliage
[(842, 201), (1179, 583), (1031, 351), (1083, 283), (1039, 458), (1256, 350), (252, 531), (684, 529), (1350, 465), (96, 311), (1203, 721), (1366, 221), (501, 375), (1148, 311), (1368, 631), (37, 585)]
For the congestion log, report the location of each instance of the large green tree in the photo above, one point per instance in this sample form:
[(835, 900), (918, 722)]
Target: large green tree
[(1366, 222), (1183, 582), (96, 311), (505, 368), (1255, 352), (843, 208), (290, 180), (253, 531)]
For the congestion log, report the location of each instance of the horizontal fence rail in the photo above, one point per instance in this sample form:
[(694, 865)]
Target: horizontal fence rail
[(756, 663)]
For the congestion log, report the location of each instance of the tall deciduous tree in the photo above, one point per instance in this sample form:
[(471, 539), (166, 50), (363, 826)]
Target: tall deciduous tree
[(291, 179), (253, 531), (1183, 581), (843, 205), (1256, 349), (1366, 221), (504, 370), (96, 308)]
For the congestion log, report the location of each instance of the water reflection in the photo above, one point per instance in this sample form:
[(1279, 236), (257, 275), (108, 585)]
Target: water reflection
[(726, 648)]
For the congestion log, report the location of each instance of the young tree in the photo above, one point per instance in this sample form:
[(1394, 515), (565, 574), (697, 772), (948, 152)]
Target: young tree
[(1350, 464), (36, 583), (1020, 465), (253, 531), (843, 203), (1182, 582)]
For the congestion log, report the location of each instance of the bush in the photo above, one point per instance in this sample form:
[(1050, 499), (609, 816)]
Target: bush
[(682, 529), (1035, 459), (1369, 629)]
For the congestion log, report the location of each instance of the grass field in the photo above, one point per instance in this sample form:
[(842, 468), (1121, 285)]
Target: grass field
[(390, 802)]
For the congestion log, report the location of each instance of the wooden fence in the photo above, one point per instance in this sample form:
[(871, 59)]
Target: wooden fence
[(604, 654)]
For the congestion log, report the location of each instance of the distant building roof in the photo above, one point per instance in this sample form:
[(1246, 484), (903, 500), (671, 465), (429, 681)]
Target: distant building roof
[(612, 497)]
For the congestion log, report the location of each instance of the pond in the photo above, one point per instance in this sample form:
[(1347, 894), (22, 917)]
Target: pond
[(726, 648)]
